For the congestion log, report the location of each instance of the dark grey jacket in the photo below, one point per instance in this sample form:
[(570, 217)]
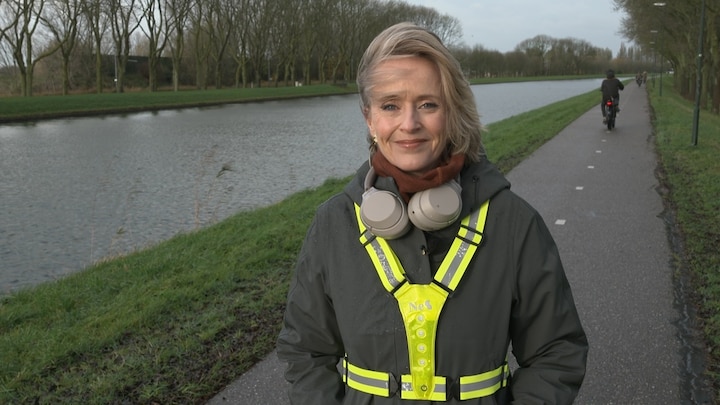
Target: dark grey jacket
[(610, 88), (515, 291)]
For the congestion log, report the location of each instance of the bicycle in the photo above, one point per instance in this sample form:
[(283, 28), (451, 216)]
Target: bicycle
[(611, 111)]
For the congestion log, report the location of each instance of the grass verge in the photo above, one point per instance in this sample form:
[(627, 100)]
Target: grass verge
[(692, 177), (13, 109)]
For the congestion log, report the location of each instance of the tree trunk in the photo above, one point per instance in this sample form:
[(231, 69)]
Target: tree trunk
[(98, 69), (152, 74), (175, 78), (66, 77)]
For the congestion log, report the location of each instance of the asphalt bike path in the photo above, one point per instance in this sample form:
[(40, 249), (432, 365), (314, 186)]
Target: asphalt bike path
[(597, 191)]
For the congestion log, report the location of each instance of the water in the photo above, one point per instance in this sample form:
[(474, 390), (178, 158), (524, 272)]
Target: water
[(74, 191)]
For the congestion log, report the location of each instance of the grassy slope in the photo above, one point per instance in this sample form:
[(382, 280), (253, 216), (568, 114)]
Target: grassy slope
[(692, 177)]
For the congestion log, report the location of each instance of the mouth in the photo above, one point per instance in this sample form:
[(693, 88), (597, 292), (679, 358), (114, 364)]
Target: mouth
[(411, 143)]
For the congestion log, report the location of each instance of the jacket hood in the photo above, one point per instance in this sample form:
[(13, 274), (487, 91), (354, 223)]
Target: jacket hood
[(479, 181)]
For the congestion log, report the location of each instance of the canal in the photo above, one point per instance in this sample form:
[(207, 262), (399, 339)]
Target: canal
[(78, 190)]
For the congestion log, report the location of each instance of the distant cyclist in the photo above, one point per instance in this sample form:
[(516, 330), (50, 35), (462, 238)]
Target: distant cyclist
[(610, 89)]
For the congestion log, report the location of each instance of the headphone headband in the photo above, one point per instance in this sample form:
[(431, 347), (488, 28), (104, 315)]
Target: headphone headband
[(386, 215)]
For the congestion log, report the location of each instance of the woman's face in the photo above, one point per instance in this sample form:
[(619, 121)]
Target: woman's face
[(406, 113)]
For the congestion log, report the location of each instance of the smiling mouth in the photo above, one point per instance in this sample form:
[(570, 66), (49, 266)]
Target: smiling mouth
[(412, 142)]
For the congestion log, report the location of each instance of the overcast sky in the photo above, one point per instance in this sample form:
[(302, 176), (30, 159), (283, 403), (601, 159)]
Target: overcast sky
[(502, 24)]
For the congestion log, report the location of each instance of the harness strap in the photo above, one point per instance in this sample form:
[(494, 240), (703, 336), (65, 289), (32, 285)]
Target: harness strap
[(453, 267), (420, 305), (463, 248), (386, 385)]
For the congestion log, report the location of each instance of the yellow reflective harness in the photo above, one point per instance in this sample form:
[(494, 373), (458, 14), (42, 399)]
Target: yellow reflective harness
[(420, 306)]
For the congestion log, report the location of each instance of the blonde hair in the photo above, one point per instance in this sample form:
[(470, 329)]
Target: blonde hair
[(462, 128)]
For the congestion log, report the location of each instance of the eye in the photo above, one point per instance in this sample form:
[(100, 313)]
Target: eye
[(388, 107), (429, 106)]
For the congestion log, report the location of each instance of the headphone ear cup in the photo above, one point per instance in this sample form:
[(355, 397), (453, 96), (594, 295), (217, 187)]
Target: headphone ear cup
[(437, 207), (384, 214)]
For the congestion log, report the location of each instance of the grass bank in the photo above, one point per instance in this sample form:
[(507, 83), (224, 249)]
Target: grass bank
[(13, 109), (692, 177), (179, 321)]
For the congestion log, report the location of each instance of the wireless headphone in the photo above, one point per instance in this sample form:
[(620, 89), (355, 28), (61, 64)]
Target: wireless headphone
[(386, 215)]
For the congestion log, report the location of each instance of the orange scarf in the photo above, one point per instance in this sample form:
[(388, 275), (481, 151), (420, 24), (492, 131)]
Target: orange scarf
[(409, 184)]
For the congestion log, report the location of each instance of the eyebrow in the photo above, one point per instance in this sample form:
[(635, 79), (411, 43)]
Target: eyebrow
[(394, 96)]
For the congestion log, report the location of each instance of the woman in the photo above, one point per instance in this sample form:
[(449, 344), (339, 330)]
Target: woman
[(393, 301)]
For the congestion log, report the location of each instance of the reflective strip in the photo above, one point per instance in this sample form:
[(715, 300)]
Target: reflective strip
[(471, 387), (407, 392), (485, 384), (385, 261), (367, 381), (464, 246)]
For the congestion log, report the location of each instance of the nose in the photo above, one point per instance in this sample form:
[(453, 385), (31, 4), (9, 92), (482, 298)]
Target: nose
[(410, 120)]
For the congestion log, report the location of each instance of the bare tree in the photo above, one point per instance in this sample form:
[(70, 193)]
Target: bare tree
[(7, 24), (537, 49), (345, 25), (200, 42), (21, 20), (219, 22), (97, 22), (446, 27), (325, 41), (241, 43), (260, 19), (310, 16), (154, 15), (124, 20), (284, 37), (178, 14), (62, 20)]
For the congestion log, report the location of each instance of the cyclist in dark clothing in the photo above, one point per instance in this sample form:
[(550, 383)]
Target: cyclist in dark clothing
[(610, 88)]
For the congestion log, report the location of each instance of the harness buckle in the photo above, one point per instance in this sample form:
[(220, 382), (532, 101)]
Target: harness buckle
[(453, 388), (393, 385)]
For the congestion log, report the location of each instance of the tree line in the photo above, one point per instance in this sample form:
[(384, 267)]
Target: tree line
[(682, 40), (91, 45)]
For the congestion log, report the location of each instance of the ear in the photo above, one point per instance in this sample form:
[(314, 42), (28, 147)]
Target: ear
[(368, 119)]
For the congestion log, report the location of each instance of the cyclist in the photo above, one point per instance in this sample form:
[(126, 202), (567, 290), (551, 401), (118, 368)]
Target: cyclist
[(610, 89)]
